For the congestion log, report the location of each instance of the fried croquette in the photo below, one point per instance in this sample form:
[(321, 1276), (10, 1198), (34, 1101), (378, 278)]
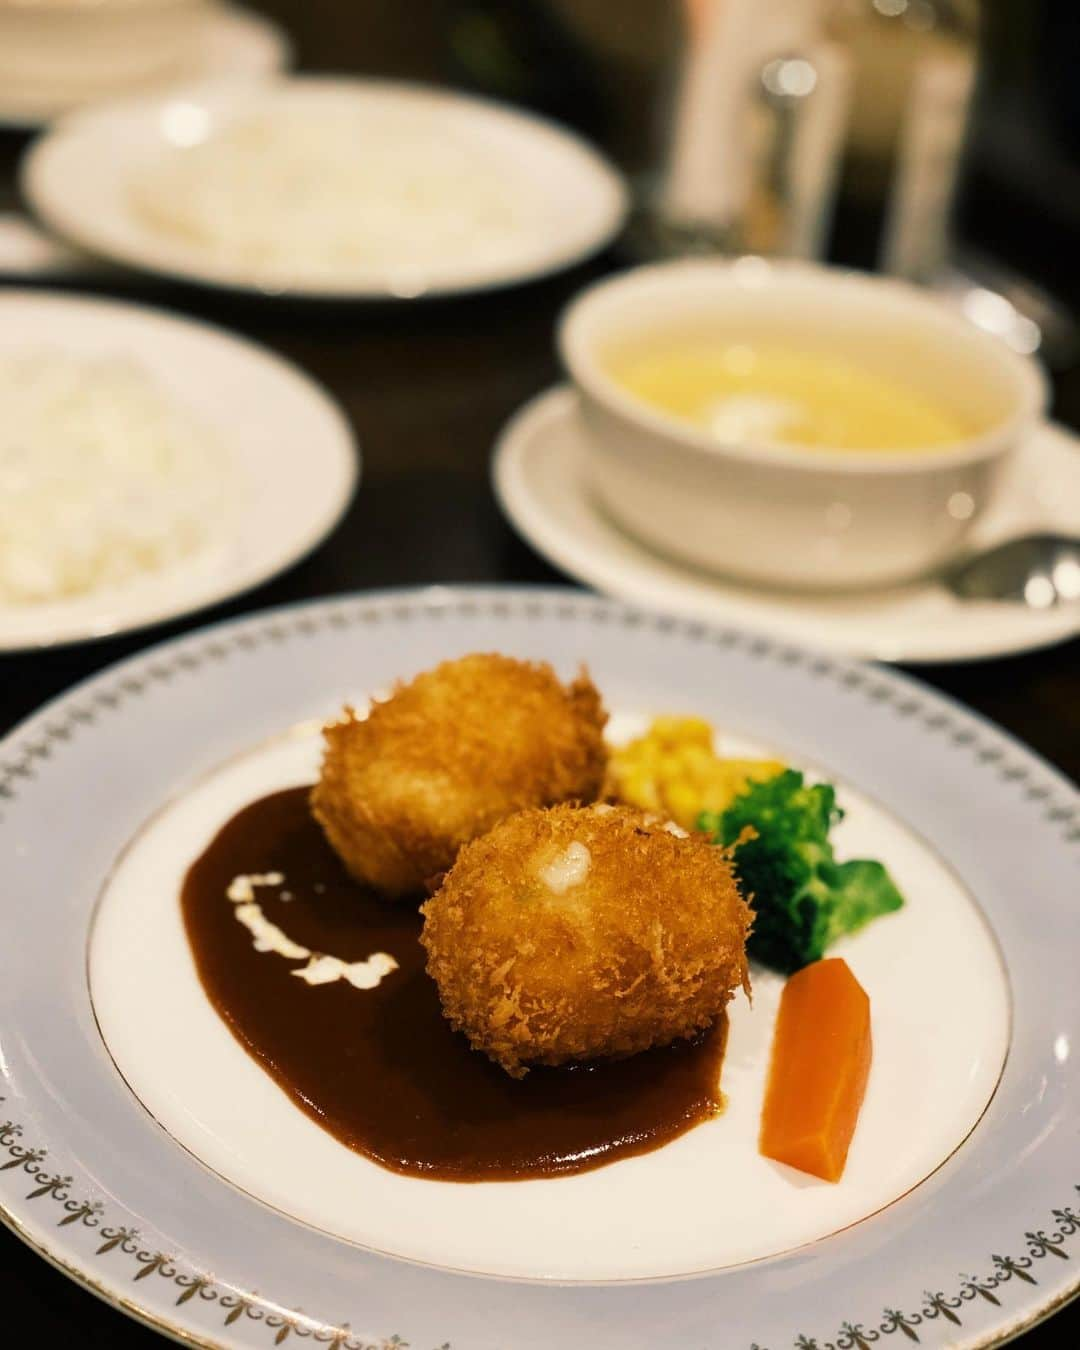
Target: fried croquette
[(585, 932), (447, 756)]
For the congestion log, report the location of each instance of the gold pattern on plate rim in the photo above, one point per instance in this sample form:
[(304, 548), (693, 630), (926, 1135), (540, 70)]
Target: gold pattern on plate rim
[(27, 1162)]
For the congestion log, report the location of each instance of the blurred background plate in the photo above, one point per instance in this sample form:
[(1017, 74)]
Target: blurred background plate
[(553, 200), (539, 480), (290, 455), (228, 43)]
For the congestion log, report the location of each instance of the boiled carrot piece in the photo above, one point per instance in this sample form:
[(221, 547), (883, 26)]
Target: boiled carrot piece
[(820, 1064)]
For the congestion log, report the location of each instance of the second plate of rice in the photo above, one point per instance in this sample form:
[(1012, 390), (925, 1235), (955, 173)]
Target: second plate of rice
[(149, 467)]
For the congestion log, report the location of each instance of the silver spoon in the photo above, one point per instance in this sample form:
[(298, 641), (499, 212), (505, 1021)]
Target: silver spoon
[(1038, 570)]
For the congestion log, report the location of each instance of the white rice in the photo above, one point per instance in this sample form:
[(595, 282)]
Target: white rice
[(102, 478), (308, 193)]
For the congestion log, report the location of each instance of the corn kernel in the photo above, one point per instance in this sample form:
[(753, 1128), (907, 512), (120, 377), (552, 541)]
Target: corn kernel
[(672, 770)]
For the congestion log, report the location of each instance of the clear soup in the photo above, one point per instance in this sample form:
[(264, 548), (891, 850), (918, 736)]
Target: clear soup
[(768, 394)]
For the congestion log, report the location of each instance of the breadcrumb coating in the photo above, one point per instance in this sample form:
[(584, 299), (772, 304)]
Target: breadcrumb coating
[(447, 756), (585, 932)]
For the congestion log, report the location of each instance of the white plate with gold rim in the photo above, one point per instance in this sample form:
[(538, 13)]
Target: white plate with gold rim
[(153, 1161), (538, 475)]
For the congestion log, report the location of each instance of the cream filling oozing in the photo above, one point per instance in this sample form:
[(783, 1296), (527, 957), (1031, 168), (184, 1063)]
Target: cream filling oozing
[(566, 869)]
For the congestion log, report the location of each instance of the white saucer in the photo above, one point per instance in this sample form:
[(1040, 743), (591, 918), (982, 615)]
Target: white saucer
[(233, 43), (538, 479)]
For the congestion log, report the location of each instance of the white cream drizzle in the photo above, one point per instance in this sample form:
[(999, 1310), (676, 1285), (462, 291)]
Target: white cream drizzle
[(360, 974), (268, 937), (242, 888)]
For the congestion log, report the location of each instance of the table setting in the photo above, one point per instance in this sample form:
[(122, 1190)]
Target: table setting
[(538, 682)]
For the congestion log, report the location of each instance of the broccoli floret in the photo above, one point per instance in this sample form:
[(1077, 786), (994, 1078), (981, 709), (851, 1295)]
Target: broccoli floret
[(862, 891), (803, 898)]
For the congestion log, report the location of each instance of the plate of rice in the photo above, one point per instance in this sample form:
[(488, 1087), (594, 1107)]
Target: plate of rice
[(331, 188), (149, 467)]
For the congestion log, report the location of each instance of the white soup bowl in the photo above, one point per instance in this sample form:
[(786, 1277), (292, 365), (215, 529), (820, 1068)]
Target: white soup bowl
[(787, 515)]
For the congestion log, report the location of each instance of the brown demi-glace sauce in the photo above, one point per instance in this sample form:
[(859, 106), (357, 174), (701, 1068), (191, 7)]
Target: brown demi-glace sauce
[(381, 1069)]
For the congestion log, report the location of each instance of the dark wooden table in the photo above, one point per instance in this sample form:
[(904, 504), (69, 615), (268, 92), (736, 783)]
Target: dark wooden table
[(427, 387)]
